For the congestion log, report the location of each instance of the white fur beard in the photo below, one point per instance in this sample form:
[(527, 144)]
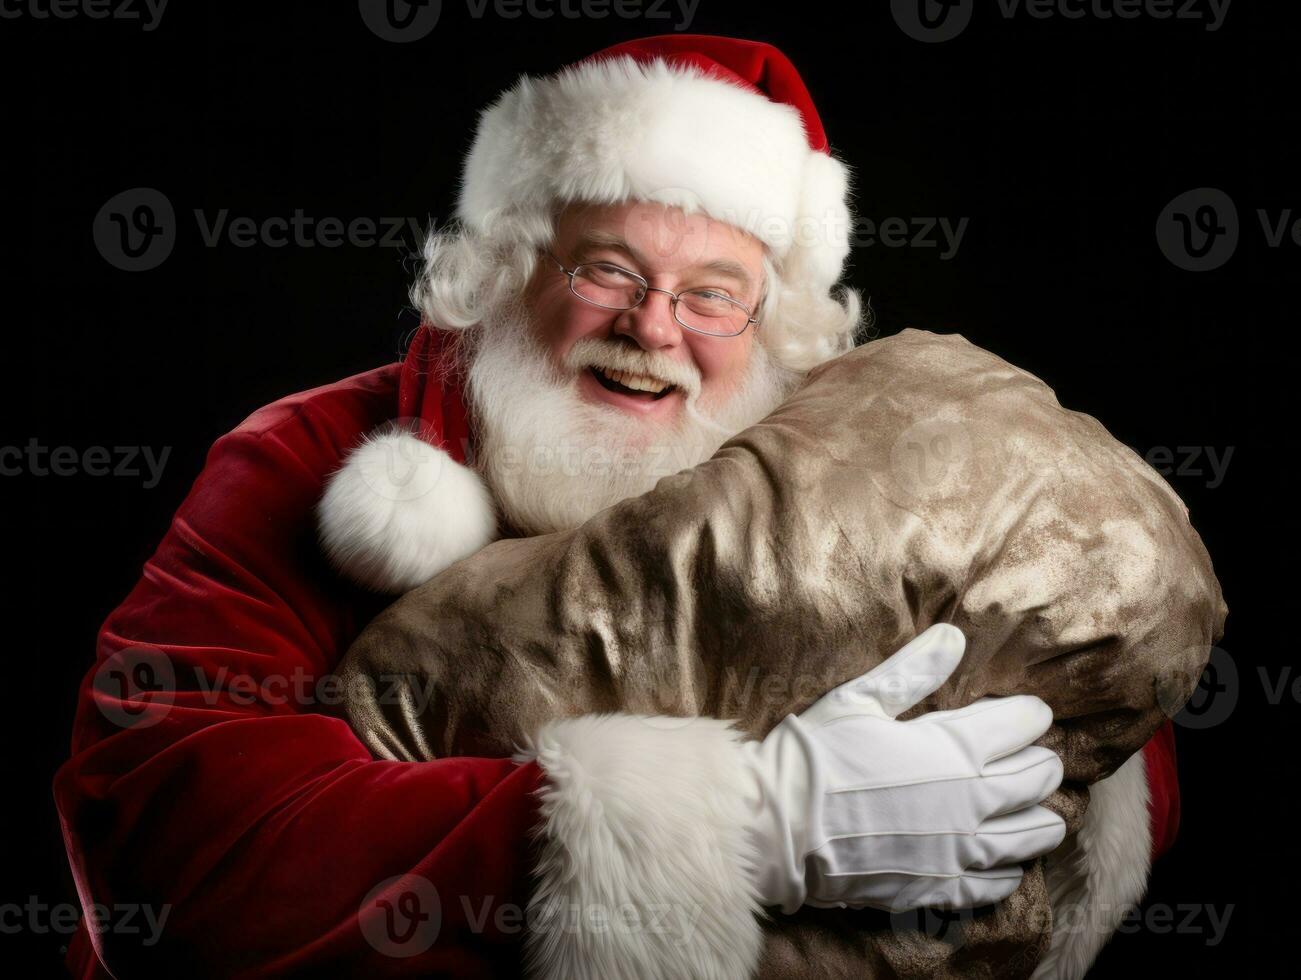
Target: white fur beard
[(553, 460)]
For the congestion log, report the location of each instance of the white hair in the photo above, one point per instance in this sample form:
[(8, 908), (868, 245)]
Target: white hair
[(467, 274)]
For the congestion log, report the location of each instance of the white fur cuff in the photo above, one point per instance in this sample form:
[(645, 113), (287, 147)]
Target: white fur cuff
[(646, 867), (1095, 877)]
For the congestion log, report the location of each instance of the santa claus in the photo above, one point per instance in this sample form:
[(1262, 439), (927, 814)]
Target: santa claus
[(645, 262)]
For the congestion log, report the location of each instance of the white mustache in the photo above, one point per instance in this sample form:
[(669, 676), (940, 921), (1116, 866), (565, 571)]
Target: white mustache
[(588, 352)]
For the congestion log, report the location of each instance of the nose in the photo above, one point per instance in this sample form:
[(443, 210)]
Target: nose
[(651, 324)]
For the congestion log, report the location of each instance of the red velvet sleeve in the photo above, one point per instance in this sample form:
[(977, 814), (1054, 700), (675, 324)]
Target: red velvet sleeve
[(208, 785)]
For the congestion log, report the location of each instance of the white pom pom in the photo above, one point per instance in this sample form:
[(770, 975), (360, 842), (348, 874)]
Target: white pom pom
[(399, 511)]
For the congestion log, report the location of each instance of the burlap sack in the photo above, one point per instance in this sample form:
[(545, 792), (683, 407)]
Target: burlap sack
[(915, 480)]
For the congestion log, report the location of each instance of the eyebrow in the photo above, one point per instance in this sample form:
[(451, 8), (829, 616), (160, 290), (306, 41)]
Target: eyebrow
[(591, 241)]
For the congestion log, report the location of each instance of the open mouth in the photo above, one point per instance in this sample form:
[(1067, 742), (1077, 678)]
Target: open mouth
[(634, 385)]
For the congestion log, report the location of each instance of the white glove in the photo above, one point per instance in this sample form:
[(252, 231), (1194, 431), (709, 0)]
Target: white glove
[(853, 808)]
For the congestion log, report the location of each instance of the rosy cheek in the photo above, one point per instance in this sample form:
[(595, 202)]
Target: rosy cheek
[(720, 368), (553, 320), (561, 323), (586, 322)]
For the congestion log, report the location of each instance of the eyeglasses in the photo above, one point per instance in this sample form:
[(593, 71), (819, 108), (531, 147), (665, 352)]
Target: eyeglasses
[(702, 310)]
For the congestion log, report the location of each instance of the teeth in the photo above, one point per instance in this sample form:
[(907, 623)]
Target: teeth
[(638, 382)]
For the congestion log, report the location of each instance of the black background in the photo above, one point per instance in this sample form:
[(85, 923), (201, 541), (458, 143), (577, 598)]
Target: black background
[(1059, 140)]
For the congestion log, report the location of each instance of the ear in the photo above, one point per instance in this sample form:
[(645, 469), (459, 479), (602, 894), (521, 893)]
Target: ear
[(400, 510)]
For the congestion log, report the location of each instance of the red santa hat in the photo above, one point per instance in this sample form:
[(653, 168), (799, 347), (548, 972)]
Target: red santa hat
[(712, 124), (707, 124)]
